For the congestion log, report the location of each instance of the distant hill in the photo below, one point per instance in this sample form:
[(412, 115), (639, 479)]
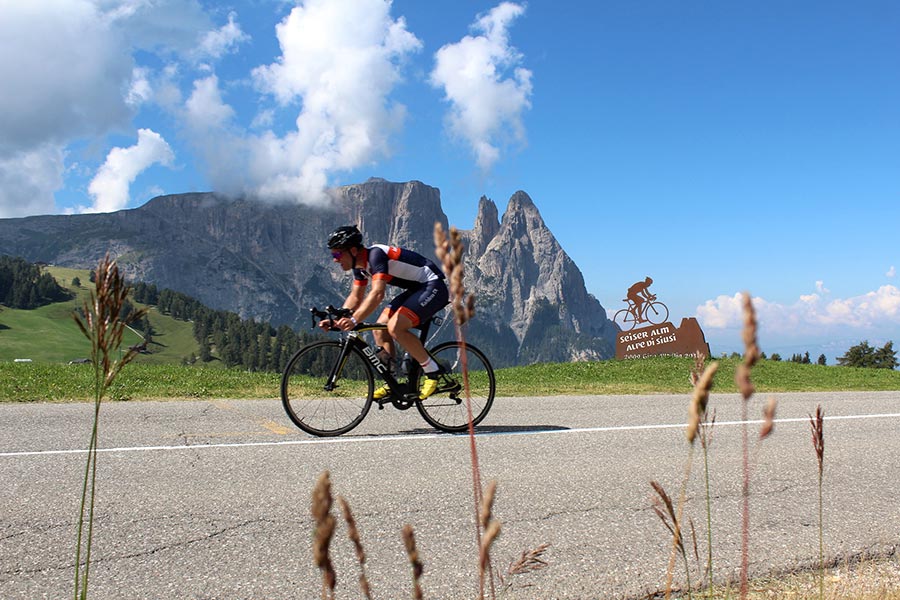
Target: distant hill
[(268, 261), (49, 334)]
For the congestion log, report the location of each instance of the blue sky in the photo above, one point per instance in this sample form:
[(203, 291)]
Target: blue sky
[(716, 147)]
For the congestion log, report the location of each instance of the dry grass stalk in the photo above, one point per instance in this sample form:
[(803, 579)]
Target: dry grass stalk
[(707, 427), (745, 386), (700, 400), (751, 349), (353, 534), (321, 512), (409, 540), (817, 426), (672, 520), (491, 528), (104, 324), (697, 369), (668, 517), (531, 560), (768, 418), (450, 252)]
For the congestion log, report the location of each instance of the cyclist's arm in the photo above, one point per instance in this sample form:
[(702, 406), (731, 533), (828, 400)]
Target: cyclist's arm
[(362, 306), (355, 298)]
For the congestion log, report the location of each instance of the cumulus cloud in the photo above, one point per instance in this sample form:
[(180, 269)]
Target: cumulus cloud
[(73, 68), (811, 314), (64, 89), (340, 61), (892, 272), (110, 187), (487, 89), (820, 287), (218, 42), (28, 180)]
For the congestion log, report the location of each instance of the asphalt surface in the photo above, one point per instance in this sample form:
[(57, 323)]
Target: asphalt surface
[(210, 499)]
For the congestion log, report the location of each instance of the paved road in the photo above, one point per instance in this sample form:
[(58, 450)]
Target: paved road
[(210, 499)]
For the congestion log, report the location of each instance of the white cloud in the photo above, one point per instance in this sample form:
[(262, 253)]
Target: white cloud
[(486, 102), (340, 61), (110, 187), (28, 180), (205, 108), (175, 27), (820, 287), (218, 42), (810, 315), (68, 69), (140, 90), (72, 66), (892, 272)]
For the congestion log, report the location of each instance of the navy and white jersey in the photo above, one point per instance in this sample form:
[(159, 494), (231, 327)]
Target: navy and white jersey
[(396, 266)]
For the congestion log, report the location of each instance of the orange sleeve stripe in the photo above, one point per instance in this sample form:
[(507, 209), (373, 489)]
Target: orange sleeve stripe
[(393, 253), (361, 282), (384, 276)]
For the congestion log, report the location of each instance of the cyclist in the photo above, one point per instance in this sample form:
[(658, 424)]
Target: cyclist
[(425, 293), (637, 293)]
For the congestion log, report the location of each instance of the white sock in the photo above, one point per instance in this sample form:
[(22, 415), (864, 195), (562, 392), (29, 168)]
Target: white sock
[(430, 366)]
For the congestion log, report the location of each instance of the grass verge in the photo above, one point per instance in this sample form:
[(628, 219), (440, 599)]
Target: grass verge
[(35, 382)]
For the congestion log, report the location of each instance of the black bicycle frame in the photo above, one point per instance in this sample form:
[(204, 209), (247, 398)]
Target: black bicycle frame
[(398, 390)]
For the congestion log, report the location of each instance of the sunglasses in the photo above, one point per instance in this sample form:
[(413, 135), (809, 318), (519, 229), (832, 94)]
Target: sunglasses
[(337, 254)]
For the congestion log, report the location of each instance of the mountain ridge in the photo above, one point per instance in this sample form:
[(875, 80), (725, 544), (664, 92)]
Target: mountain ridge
[(267, 261)]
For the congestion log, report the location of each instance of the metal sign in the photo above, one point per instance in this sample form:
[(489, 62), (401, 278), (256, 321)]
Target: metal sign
[(645, 329)]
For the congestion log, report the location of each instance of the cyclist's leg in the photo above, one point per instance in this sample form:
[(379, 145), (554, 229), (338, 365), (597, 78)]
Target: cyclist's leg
[(418, 306), (384, 340), (382, 337)]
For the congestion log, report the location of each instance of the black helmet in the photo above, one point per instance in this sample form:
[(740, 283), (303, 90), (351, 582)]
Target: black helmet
[(347, 236)]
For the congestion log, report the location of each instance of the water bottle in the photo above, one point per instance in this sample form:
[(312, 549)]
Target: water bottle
[(405, 365)]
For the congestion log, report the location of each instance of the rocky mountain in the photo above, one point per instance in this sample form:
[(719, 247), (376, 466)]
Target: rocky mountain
[(268, 261)]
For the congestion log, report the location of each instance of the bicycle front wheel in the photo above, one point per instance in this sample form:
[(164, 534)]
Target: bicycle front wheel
[(657, 313), (446, 409), (323, 395)]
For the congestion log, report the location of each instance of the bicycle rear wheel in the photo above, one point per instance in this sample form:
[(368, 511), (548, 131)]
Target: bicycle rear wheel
[(323, 397), (446, 409), (624, 319)]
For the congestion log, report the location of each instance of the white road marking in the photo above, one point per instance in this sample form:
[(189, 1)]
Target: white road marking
[(431, 436)]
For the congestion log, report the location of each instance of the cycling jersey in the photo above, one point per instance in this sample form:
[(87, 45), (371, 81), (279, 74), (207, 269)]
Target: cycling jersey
[(425, 289), (397, 266)]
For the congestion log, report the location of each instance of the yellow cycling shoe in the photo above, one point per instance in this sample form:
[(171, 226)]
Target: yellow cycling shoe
[(429, 385), (382, 392)]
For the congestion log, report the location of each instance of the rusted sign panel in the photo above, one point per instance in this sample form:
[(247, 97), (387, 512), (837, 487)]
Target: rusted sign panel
[(645, 329)]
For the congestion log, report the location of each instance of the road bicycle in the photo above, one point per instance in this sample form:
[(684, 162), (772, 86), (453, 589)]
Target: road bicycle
[(652, 312), (327, 387)]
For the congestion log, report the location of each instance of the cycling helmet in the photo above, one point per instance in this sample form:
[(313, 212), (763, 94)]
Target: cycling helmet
[(347, 236)]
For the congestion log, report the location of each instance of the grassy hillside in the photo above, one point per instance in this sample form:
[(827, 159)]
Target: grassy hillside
[(49, 335)]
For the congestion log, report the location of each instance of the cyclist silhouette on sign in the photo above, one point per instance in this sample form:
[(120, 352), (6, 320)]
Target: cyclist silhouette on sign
[(637, 294), (642, 307)]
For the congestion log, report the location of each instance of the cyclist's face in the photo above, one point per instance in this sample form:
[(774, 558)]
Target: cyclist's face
[(343, 258)]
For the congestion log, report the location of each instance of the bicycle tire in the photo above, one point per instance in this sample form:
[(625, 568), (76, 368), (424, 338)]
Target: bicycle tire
[(310, 405), (656, 313), (624, 319), (446, 409)]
